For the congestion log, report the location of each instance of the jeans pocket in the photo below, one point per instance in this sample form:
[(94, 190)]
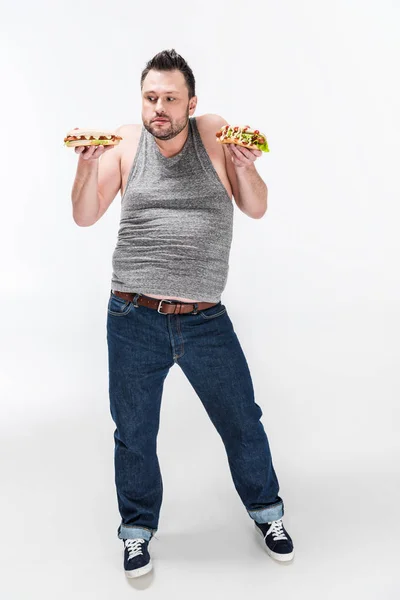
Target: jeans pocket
[(214, 311), (118, 306)]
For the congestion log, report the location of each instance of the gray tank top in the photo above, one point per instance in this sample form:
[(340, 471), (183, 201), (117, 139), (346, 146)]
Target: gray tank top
[(176, 224)]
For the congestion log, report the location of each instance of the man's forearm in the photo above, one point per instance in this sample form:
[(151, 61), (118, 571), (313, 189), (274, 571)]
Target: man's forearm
[(85, 201), (253, 192)]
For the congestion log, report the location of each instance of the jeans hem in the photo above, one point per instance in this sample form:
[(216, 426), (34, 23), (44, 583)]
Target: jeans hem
[(267, 514), (129, 532)]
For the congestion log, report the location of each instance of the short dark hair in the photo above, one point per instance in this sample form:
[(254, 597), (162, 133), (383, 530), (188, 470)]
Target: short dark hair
[(169, 60)]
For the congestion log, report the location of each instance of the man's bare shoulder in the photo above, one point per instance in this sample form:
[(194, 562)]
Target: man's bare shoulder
[(130, 134), (130, 130), (210, 122)]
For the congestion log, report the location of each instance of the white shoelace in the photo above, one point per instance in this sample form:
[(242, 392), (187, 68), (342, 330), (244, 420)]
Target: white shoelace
[(134, 547), (276, 530)]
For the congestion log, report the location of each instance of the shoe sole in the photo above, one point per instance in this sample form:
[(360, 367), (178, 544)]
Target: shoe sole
[(274, 555), (139, 572)]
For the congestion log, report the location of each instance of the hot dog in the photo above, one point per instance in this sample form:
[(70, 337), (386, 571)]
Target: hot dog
[(242, 136), (91, 137)]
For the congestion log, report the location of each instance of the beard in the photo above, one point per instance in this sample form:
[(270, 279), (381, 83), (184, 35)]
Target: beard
[(169, 130)]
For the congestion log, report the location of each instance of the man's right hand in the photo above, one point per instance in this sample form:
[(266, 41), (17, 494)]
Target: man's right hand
[(92, 152)]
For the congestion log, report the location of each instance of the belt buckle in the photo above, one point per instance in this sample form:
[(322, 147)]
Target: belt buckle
[(160, 304)]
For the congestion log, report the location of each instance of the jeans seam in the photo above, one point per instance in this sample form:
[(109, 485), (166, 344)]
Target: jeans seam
[(137, 527), (213, 316), (123, 313), (119, 299), (266, 507), (180, 333)]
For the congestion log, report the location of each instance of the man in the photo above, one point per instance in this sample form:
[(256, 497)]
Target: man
[(170, 268)]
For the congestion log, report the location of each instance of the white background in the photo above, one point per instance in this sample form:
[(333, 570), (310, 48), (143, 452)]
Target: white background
[(321, 334)]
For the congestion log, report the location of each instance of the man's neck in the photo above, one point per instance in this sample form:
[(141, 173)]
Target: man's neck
[(169, 148)]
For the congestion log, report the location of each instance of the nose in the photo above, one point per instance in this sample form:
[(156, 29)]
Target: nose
[(159, 106)]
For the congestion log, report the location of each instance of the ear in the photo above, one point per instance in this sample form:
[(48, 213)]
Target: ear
[(192, 105)]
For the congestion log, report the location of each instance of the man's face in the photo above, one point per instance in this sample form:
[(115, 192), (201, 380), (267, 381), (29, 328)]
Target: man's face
[(165, 103)]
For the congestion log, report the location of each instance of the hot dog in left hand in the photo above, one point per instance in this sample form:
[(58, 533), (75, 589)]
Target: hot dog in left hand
[(242, 136)]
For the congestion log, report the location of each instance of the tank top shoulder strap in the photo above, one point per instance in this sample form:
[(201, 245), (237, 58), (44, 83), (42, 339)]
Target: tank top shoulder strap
[(199, 146), (205, 159), (139, 159)]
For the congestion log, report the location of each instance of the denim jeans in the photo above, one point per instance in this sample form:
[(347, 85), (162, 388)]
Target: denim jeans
[(143, 345)]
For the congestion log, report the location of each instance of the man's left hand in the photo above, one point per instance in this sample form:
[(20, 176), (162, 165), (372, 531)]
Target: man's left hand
[(241, 156)]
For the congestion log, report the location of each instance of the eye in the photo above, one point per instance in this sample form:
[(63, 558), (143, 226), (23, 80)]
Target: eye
[(151, 98), (171, 98)]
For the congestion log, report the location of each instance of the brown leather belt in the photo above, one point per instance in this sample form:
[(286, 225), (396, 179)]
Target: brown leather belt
[(171, 306)]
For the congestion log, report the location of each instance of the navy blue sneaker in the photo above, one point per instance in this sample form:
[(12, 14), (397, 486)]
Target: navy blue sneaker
[(276, 540), (137, 559)]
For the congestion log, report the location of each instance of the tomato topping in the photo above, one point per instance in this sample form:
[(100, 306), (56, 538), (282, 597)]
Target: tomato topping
[(256, 131)]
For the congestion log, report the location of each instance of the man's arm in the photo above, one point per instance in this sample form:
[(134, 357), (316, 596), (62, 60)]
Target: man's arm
[(249, 189), (96, 184)]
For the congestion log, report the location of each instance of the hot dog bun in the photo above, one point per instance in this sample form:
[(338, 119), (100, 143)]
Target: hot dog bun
[(91, 137), (237, 142)]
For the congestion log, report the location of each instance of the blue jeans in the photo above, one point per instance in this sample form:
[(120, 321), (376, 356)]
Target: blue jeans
[(142, 347)]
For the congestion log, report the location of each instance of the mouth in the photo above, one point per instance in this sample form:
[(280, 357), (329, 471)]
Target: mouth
[(160, 121)]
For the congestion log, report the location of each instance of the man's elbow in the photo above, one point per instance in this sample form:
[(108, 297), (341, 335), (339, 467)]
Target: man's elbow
[(81, 223), (259, 215), (253, 214), (261, 212)]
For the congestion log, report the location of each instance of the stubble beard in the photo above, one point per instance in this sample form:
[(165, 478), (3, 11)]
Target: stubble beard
[(167, 131)]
